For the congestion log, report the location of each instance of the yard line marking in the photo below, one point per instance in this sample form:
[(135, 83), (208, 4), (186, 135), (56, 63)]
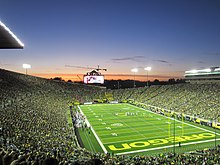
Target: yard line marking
[(150, 122), (115, 117), (189, 126), (130, 127), (177, 120)]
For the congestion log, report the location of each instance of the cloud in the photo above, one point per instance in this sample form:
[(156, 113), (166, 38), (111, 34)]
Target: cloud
[(134, 58), (201, 62), (162, 61)]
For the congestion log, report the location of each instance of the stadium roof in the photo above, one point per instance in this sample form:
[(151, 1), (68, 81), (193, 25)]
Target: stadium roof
[(8, 40), (203, 74)]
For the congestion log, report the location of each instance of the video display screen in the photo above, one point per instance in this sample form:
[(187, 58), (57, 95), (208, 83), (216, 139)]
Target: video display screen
[(93, 79)]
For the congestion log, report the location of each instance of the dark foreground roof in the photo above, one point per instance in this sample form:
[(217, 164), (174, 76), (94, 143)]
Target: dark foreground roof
[(8, 40)]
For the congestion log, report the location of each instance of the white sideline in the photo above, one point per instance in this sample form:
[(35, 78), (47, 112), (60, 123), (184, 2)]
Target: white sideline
[(96, 136)]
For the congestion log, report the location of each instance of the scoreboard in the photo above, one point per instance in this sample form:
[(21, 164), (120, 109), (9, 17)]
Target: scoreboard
[(93, 79)]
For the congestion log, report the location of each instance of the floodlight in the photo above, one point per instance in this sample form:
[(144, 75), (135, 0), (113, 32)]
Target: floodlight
[(217, 69), (206, 70), (193, 71), (134, 70), (197, 71), (26, 66), (147, 68)]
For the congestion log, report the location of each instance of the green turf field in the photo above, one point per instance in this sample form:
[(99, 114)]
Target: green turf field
[(127, 129)]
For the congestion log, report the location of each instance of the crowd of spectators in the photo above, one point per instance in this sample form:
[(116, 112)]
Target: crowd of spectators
[(196, 99), (33, 120), (34, 127)]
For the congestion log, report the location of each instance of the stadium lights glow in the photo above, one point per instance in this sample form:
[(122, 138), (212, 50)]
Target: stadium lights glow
[(26, 66), (197, 71), (134, 70), (217, 69), (148, 68), (192, 71), (12, 34), (206, 70)]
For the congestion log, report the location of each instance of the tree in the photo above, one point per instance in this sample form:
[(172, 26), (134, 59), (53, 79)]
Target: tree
[(171, 81), (58, 78)]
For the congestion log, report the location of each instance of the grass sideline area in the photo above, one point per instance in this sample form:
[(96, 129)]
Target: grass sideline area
[(127, 129)]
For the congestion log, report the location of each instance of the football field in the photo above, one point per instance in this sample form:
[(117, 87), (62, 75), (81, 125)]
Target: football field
[(127, 129)]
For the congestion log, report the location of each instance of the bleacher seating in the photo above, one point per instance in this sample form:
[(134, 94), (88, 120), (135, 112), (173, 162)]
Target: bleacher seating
[(34, 127)]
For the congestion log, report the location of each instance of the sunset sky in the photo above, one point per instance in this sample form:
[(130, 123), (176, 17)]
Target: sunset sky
[(171, 36)]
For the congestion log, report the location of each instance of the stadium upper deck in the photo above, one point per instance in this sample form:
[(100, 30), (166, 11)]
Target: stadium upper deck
[(212, 73)]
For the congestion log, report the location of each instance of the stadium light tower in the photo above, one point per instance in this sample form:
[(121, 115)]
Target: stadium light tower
[(134, 70), (147, 69), (26, 66)]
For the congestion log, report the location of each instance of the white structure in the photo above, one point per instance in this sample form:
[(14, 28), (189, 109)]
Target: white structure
[(8, 39), (147, 69), (134, 70), (26, 66)]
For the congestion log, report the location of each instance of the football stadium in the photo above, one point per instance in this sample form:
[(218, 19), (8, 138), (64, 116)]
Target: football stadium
[(54, 122), (70, 123)]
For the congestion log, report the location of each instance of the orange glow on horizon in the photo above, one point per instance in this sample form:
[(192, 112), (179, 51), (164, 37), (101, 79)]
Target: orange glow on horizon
[(79, 77)]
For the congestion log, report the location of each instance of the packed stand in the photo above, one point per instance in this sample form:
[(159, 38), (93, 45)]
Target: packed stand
[(195, 99), (34, 127), (33, 117)]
